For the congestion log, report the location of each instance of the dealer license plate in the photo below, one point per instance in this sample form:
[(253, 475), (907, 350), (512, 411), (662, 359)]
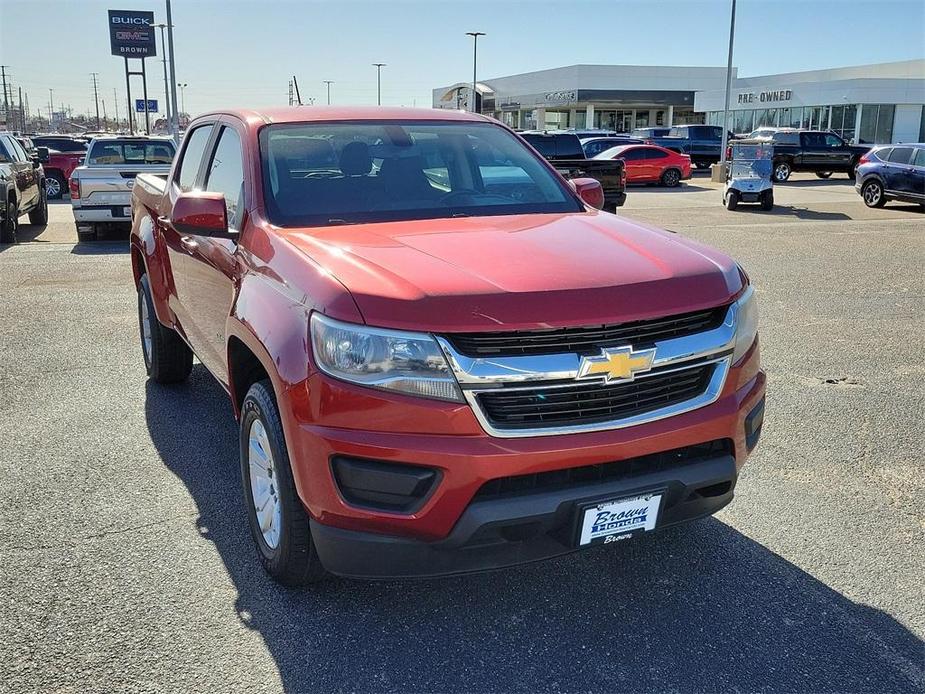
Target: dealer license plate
[(126, 211), (610, 521)]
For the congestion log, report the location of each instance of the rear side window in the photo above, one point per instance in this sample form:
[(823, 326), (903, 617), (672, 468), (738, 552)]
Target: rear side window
[(127, 152), (6, 150), (18, 152), (655, 154), (226, 174), (786, 138), (919, 158), (569, 146), (883, 154), (192, 157), (901, 155), (633, 154)]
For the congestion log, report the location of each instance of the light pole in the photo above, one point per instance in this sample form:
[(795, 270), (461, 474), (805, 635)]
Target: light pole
[(379, 67), (475, 50), (328, 84), (722, 153), (166, 83), (182, 86), (175, 120)]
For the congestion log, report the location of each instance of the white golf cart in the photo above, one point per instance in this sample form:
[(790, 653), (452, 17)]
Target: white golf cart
[(748, 176)]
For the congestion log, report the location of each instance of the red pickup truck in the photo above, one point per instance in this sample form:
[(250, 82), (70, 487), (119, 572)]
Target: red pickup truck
[(442, 357)]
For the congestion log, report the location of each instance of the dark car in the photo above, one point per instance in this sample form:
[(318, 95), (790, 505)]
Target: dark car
[(595, 145), (892, 172), (60, 143), (702, 143), (646, 133), (22, 188), (818, 151)]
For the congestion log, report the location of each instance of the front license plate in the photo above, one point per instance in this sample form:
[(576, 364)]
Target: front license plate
[(126, 211), (609, 521)]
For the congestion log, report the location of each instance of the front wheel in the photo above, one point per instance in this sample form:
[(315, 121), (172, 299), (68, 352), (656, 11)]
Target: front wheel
[(872, 193), (732, 199), (671, 178), (168, 359), (10, 223), (767, 200), (782, 171), (823, 174), (278, 522)]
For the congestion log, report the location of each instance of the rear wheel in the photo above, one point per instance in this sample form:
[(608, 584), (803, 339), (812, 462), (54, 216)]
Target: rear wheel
[(782, 171), (278, 521), (732, 199), (40, 214), (55, 185), (823, 174), (872, 193), (671, 178), (10, 223), (167, 357), (767, 200)]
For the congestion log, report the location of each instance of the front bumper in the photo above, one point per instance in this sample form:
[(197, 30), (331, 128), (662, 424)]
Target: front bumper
[(504, 532), (321, 422)]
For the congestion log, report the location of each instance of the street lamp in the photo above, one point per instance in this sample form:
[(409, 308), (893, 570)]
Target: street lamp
[(722, 153), (328, 83), (163, 26), (182, 86), (475, 48), (379, 67)]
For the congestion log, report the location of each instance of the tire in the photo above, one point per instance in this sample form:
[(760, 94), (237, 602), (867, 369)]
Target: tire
[(167, 357), (86, 236), (852, 170), (782, 171), (767, 200), (56, 185), (872, 193), (671, 178), (284, 541), (732, 199), (823, 174), (40, 214), (10, 223)]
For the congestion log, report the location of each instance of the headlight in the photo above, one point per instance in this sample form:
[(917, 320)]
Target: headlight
[(406, 362), (746, 323)]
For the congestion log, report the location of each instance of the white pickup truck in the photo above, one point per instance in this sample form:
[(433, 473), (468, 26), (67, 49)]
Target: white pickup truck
[(101, 189)]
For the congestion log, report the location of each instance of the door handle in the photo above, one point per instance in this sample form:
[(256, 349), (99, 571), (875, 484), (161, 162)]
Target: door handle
[(189, 243)]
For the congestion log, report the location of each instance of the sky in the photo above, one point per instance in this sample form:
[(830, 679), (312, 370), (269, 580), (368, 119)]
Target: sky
[(237, 53)]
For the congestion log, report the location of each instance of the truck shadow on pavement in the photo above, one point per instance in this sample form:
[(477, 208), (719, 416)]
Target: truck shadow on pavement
[(698, 608)]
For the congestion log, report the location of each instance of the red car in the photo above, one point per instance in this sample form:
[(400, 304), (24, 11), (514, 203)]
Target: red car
[(441, 356), (651, 164)]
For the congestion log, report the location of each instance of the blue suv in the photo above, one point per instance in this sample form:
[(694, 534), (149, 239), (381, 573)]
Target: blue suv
[(892, 172)]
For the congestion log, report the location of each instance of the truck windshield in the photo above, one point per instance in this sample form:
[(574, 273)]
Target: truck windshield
[(317, 174), (128, 152)]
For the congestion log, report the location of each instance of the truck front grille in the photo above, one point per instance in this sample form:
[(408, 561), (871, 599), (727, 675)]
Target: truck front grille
[(585, 340), (547, 406)]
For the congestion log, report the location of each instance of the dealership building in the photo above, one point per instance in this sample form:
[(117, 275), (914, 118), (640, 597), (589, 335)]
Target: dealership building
[(867, 103)]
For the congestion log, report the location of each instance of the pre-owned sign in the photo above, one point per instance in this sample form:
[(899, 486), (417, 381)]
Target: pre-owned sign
[(131, 33), (764, 97)]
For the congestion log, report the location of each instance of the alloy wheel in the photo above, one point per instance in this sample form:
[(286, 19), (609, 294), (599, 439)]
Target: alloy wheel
[(872, 194), (264, 487), (52, 187)]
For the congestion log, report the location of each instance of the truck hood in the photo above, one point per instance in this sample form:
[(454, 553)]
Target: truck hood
[(519, 272)]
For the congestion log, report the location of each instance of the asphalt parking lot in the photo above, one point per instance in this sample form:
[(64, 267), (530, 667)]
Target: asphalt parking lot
[(127, 562)]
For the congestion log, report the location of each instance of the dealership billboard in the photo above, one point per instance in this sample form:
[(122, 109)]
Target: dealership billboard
[(131, 34)]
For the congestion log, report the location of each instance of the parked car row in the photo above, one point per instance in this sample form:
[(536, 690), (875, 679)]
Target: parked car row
[(22, 187)]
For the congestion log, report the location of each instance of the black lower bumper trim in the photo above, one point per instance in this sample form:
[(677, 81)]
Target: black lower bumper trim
[(497, 533)]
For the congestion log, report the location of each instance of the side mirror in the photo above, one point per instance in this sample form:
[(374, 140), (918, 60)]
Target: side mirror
[(589, 190), (42, 153), (201, 213)]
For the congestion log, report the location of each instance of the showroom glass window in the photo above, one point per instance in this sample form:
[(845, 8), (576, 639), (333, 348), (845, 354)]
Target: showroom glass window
[(876, 124)]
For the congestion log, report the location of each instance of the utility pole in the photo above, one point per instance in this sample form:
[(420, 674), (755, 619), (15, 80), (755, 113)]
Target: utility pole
[(6, 104), (298, 96), (96, 97), (175, 124), (722, 152), (379, 67), (166, 85), (290, 92), (115, 100), (22, 114), (105, 117), (51, 106), (475, 50), (328, 83)]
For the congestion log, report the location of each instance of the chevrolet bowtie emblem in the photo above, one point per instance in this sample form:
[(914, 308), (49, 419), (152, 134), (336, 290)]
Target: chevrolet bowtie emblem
[(617, 364)]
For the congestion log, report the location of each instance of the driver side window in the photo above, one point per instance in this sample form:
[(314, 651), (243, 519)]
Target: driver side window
[(832, 141), (192, 157)]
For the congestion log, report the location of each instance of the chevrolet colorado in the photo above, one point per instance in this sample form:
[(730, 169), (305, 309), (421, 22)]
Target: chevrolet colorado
[(442, 357)]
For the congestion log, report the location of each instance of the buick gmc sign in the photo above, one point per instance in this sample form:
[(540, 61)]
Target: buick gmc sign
[(131, 34)]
